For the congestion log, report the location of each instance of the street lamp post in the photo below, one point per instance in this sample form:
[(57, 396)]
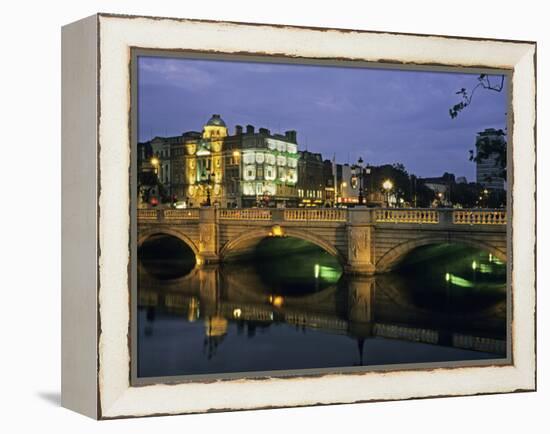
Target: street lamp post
[(367, 173), (205, 182), (155, 162), (236, 180), (359, 172), (360, 165), (440, 197), (387, 186)]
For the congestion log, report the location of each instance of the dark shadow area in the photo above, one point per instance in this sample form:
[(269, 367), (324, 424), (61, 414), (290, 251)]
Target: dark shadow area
[(448, 277), (291, 266), (166, 257)]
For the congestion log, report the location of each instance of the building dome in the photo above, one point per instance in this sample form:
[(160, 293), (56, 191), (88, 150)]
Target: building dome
[(216, 121)]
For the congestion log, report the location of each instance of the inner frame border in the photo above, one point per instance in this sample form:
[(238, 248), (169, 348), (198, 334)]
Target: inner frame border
[(136, 52)]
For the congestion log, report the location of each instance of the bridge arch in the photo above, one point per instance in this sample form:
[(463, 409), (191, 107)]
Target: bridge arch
[(249, 239), (394, 255), (154, 231), (241, 288)]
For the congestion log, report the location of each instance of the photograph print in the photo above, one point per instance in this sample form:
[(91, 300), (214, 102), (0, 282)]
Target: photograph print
[(301, 217)]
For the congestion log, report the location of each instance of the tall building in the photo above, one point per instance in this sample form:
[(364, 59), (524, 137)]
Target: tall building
[(347, 188), (488, 169), (178, 180), (311, 179), (269, 165), (329, 180)]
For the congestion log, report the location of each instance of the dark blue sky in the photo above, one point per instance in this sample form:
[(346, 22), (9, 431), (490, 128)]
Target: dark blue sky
[(385, 116)]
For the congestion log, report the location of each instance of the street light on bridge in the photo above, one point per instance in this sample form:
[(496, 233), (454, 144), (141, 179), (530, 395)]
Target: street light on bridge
[(156, 164), (359, 172), (387, 186)]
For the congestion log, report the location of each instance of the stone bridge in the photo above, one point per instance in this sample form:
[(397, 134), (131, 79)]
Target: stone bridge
[(365, 240)]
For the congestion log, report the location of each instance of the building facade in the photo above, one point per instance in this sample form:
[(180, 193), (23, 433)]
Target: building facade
[(441, 186), (212, 167), (488, 169), (269, 165), (311, 179)]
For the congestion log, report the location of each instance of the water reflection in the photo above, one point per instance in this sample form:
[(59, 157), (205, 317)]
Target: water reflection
[(298, 311)]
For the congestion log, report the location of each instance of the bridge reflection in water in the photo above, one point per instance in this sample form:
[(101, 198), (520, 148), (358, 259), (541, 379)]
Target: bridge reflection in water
[(301, 312)]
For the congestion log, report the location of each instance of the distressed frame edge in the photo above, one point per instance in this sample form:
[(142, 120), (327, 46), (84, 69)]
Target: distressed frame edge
[(304, 27), (528, 384), (79, 281)]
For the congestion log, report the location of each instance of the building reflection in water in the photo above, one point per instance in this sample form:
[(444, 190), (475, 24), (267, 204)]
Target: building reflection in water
[(244, 324)]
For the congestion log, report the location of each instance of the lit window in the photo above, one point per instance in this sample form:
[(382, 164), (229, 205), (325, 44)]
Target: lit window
[(249, 158)]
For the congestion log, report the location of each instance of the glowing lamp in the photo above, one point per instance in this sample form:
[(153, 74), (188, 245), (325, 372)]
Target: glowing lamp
[(277, 231)]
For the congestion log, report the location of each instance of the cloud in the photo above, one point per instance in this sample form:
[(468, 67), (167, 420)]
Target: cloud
[(175, 72), (381, 115), (333, 103)]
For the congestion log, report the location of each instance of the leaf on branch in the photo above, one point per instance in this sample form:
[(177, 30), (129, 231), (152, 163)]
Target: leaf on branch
[(483, 82)]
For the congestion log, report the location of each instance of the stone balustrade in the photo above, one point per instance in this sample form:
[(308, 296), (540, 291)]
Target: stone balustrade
[(482, 217), (316, 214), (378, 215), (147, 215), (406, 216), (181, 214), (245, 214)]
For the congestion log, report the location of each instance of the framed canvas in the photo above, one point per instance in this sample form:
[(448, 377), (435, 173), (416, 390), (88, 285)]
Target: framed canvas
[(262, 216)]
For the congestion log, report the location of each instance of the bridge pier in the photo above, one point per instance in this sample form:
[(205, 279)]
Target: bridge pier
[(360, 233), (361, 299), (208, 237)]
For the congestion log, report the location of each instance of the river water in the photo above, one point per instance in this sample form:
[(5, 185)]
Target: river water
[(291, 307)]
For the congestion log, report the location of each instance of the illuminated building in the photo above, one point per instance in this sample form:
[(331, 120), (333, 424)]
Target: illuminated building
[(311, 179), (347, 187), (160, 148), (245, 169), (203, 167), (269, 168), (329, 183), (154, 170)]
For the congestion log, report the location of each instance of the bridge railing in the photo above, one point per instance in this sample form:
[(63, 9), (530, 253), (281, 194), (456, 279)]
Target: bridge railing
[(181, 214), (481, 217), (441, 216), (406, 216), (316, 214), (147, 214), (159, 214), (245, 214), (377, 215)]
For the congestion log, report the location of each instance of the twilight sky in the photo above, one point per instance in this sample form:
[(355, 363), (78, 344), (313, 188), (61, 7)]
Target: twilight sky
[(384, 116)]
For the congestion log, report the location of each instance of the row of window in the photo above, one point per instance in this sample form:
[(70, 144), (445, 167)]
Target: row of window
[(261, 158), (282, 146), (270, 173), (311, 194), (259, 188)]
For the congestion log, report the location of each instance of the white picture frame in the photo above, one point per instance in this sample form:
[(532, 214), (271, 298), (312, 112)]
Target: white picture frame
[(96, 140)]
